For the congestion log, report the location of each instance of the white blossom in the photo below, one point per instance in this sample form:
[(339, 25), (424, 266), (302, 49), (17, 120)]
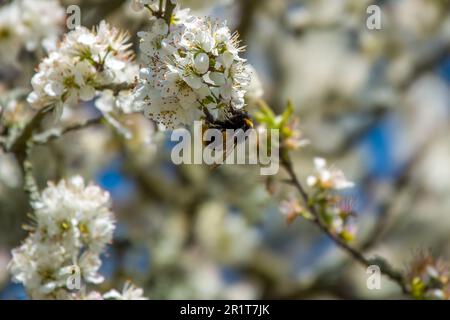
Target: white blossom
[(73, 224), (86, 61), (88, 219), (328, 178), (192, 64)]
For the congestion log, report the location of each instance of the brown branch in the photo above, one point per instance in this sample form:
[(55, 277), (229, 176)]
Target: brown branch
[(54, 134), (394, 275), (30, 184), (116, 89), (19, 145), (169, 12)]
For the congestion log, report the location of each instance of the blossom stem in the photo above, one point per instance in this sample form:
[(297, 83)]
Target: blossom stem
[(116, 89), (394, 275), (169, 12)]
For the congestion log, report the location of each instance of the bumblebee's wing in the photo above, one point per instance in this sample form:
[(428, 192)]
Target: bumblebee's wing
[(227, 148), (228, 151)]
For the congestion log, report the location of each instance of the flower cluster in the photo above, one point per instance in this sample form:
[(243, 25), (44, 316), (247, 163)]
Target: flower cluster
[(334, 211), (85, 62), (429, 278), (191, 67), (73, 224), (28, 24)]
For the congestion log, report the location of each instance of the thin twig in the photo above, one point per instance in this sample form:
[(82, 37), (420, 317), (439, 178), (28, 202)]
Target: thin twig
[(30, 185), (116, 89), (53, 134), (18, 146), (394, 275)]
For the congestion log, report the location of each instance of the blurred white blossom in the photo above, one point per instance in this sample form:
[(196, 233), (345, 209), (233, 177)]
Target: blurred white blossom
[(129, 292), (206, 281), (328, 178), (28, 24), (226, 234), (9, 173)]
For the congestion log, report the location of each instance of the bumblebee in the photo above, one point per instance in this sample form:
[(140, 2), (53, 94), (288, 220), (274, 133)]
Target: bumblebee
[(235, 120)]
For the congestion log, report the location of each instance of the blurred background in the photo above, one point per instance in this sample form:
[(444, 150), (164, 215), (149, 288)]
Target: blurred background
[(375, 103)]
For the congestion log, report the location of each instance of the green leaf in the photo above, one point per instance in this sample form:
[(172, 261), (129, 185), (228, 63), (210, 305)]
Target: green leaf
[(287, 114)]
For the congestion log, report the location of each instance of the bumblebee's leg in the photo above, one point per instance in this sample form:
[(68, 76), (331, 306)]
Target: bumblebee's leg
[(209, 117)]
